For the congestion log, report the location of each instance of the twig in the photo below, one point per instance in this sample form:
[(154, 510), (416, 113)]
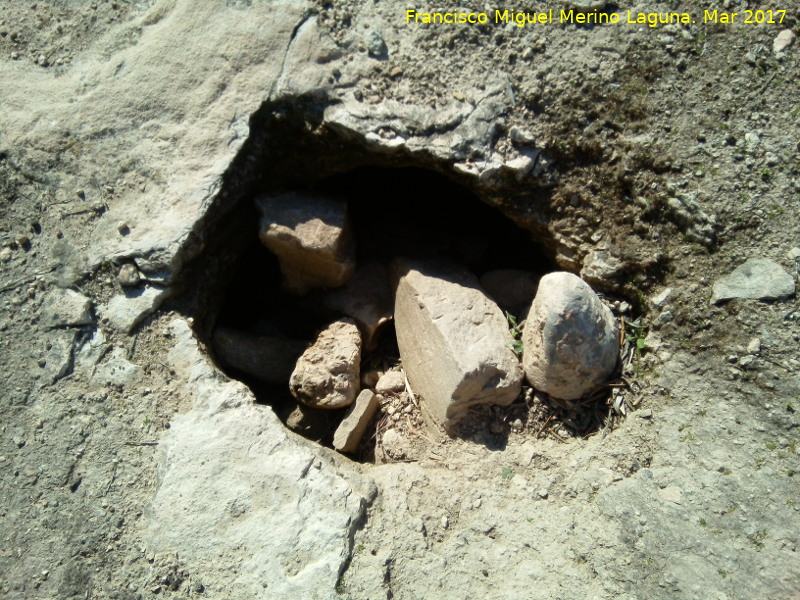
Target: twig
[(141, 443), (409, 390), (550, 418)]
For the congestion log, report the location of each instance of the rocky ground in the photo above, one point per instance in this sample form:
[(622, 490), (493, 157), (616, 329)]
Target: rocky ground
[(651, 161)]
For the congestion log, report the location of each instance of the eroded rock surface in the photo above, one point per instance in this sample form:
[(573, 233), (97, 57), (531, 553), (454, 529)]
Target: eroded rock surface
[(310, 235), (571, 339), (453, 340), (758, 278), (327, 373), (67, 308)]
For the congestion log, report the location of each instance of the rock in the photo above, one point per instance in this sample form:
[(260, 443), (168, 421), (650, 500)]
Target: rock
[(783, 41), (91, 352), (366, 298), (59, 357), (126, 311), (267, 358), (310, 234), (349, 433), (793, 254), (660, 299), (754, 347), (129, 275), (5, 254), (601, 266), (758, 278), (395, 445), (67, 308), (513, 290), (327, 374), (376, 47), (453, 340), (311, 423), (117, 370), (571, 339), (391, 382), (697, 226)]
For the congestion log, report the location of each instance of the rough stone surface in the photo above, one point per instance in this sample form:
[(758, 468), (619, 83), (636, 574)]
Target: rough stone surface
[(126, 311), (391, 382), (327, 374), (128, 275), (512, 289), (571, 339), (783, 41), (67, 308), (758, 278), (267, 358), (366, 298), (310, 235), (117, 370), (454, 341), (272, 499), (350, 431), (59, 358)]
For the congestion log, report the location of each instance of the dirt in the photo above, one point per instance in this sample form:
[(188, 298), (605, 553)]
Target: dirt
[(679, 480)]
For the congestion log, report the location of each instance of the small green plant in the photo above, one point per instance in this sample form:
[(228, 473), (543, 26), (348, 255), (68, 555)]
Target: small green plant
[(757, 538), (516, 333), (703, 522), (771, 445), (635, 333), (722, 572), (507, 473)]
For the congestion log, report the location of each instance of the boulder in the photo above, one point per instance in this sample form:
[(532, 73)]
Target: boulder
[(67, 308), (758, 278), (267, 358), (310, 234), (570, 340), (366, 298), (349, 433), (454, 341), (512, 289), (327, 373)]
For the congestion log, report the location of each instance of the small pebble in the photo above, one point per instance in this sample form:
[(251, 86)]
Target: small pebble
[(396, 72), (445, 522), (754, 347), (5, 254), (128, 275), (123, 228)]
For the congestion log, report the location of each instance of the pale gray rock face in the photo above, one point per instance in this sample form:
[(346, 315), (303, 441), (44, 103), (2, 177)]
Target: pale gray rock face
[(571, 339), (453, 340), (328, 372), (758, 278), (117, 370), (126, 311), (352, 428), (366, 298), (391, 382), (67, 308), (310, 234), (512, 289), (267, 358)]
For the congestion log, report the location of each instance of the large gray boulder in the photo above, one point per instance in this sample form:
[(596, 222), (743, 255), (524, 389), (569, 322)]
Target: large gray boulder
[(571, 339), (758, 278), (454, 341), (328, 372), (310, 234)]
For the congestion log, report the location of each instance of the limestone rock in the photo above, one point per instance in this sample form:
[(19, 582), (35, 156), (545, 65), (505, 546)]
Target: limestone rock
[(783, 41), (127, 310), (327, 374), (349, 433), (117, 370), (59, 357), (391, 382), (67, 308), (571, 338), (758, 278), (366, 298), (512, 289), (310, 235), (267, 358), (128, 275), (453, 340)]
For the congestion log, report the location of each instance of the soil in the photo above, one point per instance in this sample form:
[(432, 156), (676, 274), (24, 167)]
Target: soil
[(679, 479)]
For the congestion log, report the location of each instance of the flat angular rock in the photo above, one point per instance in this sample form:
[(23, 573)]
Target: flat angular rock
[(571, 339), (126, 311), (310, 234), (454, 341), (512, 289), (267, 358), (758, 278), (67, 308), (327, 374), (349, 433), (366, 298)]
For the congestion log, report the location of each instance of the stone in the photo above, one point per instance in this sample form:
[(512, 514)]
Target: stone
[(128, 275), (395, 445), (327, 373), (754, 347), (454, 341), (311, 236), (90, 353), (758, 278), (267, 358), (376, 47), (349, 433), (366, 298), (660, 299), (571, 339), (697, 226), (391, 382), (783, 41), (311, 423), (59, 358), (126, 311), (5, 254), (117, 370), (512, 289), (793, 254), (67, 308)]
